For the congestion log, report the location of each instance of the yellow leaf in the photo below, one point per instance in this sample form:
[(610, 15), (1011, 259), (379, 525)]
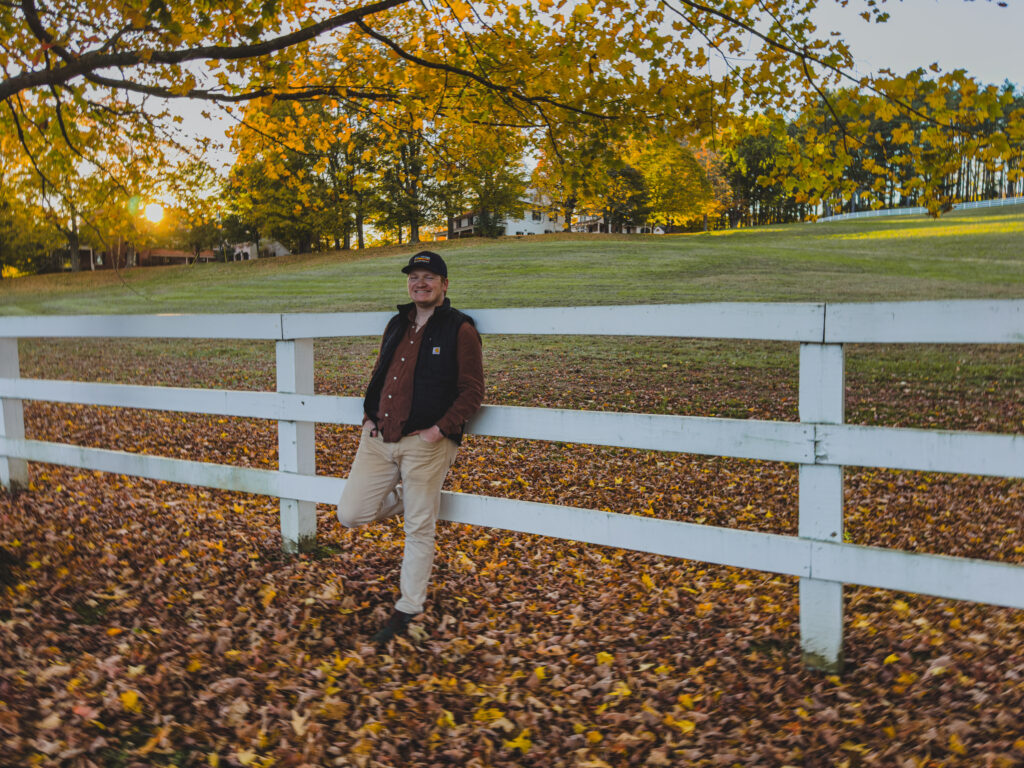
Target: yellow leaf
[(159, 736), (521, 742), (594, 737), (130, 701), (540, 673), (892, 658), (246, 757), (446, 719), (459, 8), (647, 581), (267, 594), (464, 563), (604, 658), (488, 715), (852, 746), (684, 726), (955, 745)]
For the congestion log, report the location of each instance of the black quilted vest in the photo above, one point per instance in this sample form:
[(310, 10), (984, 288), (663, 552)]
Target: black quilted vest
[(437, 368)]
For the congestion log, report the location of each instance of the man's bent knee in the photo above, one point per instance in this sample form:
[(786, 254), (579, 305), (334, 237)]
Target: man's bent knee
[(349, 511), (353, 513), (346, 515)]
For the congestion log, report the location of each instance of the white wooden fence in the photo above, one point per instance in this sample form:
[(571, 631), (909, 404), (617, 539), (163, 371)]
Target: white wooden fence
[(819, 443), (919, 210)]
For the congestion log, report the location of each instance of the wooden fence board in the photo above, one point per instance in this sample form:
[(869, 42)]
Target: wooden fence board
[(956, 578), (731, 320), (927, 322), (926, 450), (238, 326)]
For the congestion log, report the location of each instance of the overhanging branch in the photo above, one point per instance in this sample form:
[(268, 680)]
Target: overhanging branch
[(91, 61), (504, 90)]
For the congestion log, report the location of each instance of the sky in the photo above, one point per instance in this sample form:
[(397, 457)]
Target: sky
[(976, 35)]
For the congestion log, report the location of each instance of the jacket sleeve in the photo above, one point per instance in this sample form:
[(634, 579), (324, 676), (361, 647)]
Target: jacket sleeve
[(470, 385)]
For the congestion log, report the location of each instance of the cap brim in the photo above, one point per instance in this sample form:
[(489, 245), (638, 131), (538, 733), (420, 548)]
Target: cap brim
[(409, 268)]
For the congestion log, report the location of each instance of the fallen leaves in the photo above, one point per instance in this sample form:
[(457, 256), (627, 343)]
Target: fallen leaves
[(149, 623)]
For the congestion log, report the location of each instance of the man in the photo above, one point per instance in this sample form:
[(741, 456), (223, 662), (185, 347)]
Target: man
[(427, 382)]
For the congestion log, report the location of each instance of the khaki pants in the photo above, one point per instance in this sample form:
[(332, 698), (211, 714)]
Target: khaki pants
[(372, 493)]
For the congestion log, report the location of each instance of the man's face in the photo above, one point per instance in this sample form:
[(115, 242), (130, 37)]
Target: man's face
[(427, 289)]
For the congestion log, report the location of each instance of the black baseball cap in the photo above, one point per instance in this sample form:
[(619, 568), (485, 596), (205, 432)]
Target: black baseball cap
[(429, 261)]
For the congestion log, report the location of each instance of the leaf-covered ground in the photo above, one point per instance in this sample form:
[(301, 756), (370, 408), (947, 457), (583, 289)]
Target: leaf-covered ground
[(145, 623)]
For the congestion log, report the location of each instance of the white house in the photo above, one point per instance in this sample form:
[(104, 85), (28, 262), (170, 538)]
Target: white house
[(537, 217), (246, 251), (594, 222)]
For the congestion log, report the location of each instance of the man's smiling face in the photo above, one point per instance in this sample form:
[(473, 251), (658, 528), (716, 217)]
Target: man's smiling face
[(427, 289)]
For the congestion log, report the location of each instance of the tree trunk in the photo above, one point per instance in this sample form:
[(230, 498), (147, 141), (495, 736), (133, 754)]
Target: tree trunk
[(73, 248), (359, 230)]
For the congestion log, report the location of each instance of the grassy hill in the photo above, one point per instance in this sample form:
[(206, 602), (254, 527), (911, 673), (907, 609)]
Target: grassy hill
[(970, 254)]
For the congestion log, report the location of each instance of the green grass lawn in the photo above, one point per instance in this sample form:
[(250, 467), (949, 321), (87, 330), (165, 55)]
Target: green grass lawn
[(973, 254)]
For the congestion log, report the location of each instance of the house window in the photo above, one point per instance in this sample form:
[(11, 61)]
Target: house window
[(536, 215), (476, 220)]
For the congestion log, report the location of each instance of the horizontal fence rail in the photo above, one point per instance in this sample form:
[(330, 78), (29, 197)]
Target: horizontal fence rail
[(909, 322), (939, 575), (820, 444), (926, 450)]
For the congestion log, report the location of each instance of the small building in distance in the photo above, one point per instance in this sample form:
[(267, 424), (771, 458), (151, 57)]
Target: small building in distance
[(537, 217), (248, 251), (153, 257)]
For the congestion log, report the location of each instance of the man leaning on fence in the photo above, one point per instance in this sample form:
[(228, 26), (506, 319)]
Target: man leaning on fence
[(427, 382)]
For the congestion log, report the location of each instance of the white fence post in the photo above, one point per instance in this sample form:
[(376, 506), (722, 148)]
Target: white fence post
[(13, 472), (296, 447), (821, 506)]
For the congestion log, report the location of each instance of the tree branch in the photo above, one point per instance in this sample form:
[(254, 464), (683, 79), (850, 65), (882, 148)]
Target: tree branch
[(91, 61), (806, 56), (485, 82)]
